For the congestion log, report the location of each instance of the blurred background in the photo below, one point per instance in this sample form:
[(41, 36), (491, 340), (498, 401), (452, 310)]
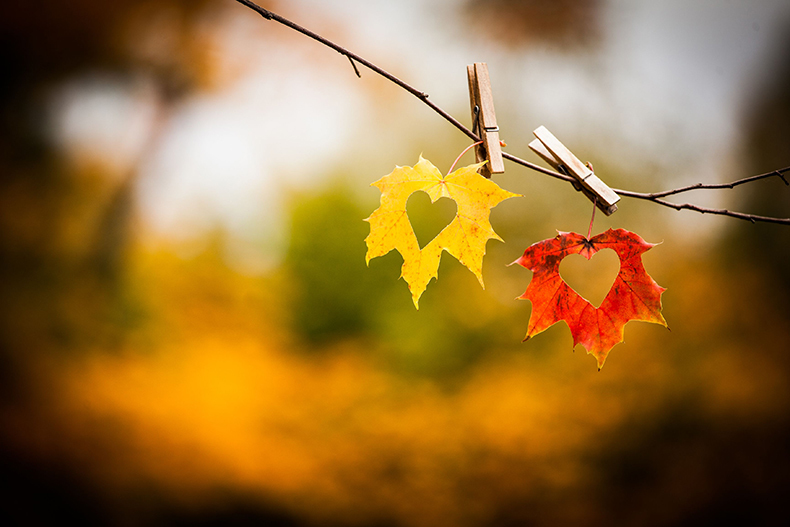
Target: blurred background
[(189, 334)]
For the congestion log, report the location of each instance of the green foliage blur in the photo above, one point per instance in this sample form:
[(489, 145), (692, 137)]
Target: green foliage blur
[(326, 258), (335, 296)]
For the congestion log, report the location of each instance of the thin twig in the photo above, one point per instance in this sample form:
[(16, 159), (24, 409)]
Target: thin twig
[(354, 65), (722, 212), (699, 186), (654, 197)]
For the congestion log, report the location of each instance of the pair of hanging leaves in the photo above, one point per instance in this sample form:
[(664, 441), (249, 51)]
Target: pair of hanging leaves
[(633, 296)]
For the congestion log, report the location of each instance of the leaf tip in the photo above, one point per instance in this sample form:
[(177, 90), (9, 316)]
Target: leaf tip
[(600, 362), (416, 300)]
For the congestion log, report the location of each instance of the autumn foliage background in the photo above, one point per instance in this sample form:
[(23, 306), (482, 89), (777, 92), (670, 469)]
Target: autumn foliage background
[(189, 333)]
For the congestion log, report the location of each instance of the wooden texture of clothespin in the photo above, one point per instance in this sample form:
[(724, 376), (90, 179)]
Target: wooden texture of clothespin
[(556, 154), (484, 119)]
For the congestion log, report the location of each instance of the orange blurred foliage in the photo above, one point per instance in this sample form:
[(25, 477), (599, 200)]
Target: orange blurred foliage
[(212, 396)]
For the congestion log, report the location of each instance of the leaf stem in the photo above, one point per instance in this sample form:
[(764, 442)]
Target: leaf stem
[(452, 167), (592, 219)]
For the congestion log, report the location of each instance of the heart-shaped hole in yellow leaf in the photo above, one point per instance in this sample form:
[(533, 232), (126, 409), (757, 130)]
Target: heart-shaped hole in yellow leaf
[(428, 219), (593, 278)]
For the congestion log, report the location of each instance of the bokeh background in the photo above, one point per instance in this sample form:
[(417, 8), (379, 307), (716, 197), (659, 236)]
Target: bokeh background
[(189, 334)]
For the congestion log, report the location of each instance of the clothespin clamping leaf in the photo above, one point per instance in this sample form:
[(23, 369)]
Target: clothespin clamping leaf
[(556, 154), (484, 119)]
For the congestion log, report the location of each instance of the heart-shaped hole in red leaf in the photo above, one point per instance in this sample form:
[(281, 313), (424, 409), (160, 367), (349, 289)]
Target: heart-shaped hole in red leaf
[(592, 278), (428, 219)]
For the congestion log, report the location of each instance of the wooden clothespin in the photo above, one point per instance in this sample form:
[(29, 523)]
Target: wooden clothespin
[(551, 150), (484, 119)]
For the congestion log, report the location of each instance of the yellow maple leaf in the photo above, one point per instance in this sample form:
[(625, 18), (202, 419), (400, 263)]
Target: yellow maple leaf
[(465, 237)]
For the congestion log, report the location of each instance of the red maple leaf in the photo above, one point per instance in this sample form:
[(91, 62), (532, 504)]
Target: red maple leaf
[(633, 296)]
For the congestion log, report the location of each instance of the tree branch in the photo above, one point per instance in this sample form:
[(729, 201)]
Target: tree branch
[(704, 210), (654, 197), (699, 186), (269, 15)]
